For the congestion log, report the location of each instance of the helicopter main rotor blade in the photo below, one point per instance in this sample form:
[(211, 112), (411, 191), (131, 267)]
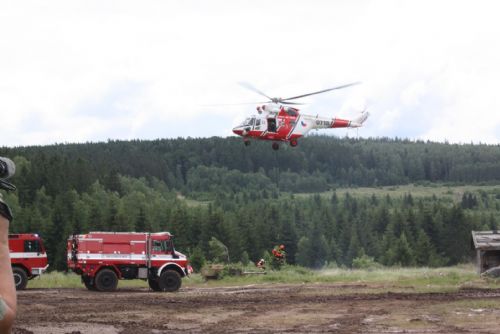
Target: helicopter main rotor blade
[(253, 89), (292, 103), (321, 91), (231, 104)]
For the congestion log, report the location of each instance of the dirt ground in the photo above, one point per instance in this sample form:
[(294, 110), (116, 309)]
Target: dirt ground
[(277, 308)]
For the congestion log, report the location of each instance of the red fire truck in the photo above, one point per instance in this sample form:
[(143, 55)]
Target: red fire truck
[(101, 258), (28, 258)]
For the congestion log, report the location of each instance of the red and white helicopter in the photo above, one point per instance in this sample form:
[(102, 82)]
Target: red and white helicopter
[(279, 122)]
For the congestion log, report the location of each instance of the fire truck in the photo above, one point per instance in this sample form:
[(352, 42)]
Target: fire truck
[(28, 258), (102, 258)]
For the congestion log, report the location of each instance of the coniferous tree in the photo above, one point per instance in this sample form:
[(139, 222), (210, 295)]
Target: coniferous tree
[(403, 252), (304, 256)]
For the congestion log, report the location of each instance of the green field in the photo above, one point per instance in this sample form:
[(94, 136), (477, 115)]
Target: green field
[(439, 190), (451, 192), (385, 279)]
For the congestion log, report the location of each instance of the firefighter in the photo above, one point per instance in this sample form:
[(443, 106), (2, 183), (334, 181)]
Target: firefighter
[(7, 288), (279, 257), (261, 264)]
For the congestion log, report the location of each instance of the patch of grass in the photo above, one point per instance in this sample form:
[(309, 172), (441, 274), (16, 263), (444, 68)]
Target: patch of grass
[(453, 193), (192, 203), (446, 279), (419, 279), (62, 280), (388, 279), (56, 280)]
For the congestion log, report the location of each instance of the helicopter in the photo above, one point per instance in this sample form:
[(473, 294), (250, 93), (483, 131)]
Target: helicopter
[(279, 121)]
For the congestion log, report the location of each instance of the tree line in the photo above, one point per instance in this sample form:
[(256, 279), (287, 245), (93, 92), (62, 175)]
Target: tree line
[(317, 230), (204, 165), (247, 197)]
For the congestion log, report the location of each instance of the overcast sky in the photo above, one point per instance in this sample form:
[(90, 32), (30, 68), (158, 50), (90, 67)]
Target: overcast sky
[(77, 71)]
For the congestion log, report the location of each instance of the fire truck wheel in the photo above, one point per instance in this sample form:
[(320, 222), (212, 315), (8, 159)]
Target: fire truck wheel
[(153, 284), (20, 278), (170, 281), (106, 280), (88, 283)]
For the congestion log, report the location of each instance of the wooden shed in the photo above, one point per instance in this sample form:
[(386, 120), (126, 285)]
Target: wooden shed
[(487, 246)]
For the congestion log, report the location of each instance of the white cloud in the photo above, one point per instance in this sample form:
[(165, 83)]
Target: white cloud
[(412, 95), (93, 70)]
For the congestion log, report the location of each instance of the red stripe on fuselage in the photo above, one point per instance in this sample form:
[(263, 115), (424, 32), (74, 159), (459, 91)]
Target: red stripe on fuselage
[(340, 123)]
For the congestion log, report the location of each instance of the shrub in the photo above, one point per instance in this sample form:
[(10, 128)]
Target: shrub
[(365, 262), (197, 259), (245, 259), (233, 269), (218, 251)]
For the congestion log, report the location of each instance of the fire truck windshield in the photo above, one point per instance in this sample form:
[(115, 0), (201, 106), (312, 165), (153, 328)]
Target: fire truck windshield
[(32, 246), (163, 246)]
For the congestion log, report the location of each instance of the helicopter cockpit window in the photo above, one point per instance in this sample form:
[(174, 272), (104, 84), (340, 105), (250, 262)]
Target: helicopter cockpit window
[(257, 122), (246, 122)]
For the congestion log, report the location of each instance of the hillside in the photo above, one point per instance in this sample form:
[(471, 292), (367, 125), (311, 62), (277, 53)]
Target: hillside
[(252, 198), (318, 163)]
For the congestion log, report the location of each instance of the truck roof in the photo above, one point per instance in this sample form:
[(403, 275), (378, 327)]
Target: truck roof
[(122, 236), (130, 233), (24, 236)]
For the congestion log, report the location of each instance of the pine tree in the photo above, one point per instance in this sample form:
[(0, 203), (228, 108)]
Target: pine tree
[(355, 249), (423, 249), (304, 255), (141, 221), (404, 254)]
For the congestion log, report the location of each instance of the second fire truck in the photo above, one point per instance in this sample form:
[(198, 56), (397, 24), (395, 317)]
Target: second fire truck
[(102, 258), (27, 257)]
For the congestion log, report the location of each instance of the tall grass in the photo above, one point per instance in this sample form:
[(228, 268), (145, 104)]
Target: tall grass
[(62, 280), (384, 279), (451, 192), (54, 280)]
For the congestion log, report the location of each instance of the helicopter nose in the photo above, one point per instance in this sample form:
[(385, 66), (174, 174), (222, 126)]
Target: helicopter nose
[(237, 131)]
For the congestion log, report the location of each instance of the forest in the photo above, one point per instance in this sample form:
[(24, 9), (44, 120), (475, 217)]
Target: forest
[(216, 190)]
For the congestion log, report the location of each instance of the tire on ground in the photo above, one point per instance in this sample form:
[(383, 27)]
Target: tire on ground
[(88, 283), (20, 278), (154, 284), (169, 281), (106, 280)]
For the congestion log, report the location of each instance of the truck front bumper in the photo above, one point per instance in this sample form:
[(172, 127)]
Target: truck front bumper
[(38, 271)]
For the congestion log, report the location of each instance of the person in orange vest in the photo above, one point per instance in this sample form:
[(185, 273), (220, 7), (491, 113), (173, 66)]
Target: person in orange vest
[(279, 257)]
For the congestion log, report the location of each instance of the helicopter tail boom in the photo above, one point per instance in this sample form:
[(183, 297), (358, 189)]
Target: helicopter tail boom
[(358, 122)]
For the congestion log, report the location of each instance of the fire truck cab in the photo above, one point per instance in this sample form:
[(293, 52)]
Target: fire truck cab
[(27, 257), (102, 258)]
